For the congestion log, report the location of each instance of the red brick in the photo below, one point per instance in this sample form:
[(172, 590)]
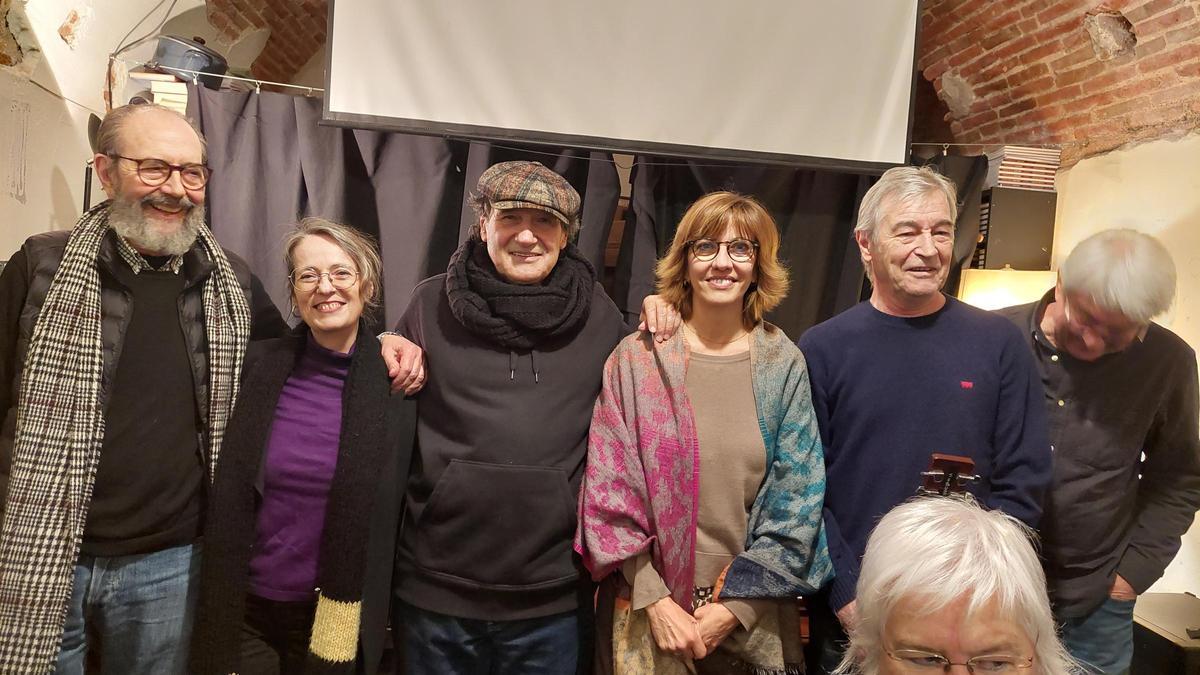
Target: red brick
[(1113, 77), (1018, 106), (937, 53), (1042, 51), (1026, 25), (219, 21), (971, 136), (1060, 10), (1061, 94), (1073, 58), (959, 29), (1067, 125), (970, 55), (1047, 33), (1080, 74), (1181, 54), (982, 118), (1124, 107), (1150, 47), (1146, 85), (1010, 18), (939, 23), (1190, 69), (960, 43), (1147, 10), (990, 130), (1165, 22), (1019, 75), (1035, 7), (935, 70), (1010, 50), (1033, 87), (992, 39), (992, 72), (1185, 90), (1098, 100), (1185, 33)]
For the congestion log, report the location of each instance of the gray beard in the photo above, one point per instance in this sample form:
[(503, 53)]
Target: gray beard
[(128, 220)]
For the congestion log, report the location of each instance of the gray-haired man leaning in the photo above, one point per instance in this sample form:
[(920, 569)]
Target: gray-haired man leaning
[(1122, 396)]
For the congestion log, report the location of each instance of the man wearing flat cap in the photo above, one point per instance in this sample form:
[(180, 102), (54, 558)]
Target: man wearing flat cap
[(515, 333)]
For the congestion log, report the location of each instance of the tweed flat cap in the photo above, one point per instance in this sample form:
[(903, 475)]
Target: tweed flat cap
[(529, 185)]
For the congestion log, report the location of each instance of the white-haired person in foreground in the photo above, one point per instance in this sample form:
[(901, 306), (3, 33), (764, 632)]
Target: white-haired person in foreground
[(948, 587)]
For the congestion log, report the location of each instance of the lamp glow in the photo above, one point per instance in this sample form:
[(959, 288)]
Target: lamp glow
[(993, 289)]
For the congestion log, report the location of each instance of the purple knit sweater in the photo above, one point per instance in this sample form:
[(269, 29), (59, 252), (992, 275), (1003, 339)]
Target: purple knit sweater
[(299, 461)]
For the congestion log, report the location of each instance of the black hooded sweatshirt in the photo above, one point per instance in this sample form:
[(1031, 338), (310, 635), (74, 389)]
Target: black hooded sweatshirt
[(501, 446)]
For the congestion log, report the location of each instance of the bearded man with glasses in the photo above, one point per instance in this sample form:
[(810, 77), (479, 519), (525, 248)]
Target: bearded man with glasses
[(120, 347), (1122, 396)]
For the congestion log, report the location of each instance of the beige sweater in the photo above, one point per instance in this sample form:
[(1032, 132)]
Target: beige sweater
[(732, 467)]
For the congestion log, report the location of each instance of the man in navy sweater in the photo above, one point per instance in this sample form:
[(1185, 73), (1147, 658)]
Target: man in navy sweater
[(909, 373)]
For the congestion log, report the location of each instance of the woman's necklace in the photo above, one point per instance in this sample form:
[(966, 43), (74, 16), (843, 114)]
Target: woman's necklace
[(715, 343)]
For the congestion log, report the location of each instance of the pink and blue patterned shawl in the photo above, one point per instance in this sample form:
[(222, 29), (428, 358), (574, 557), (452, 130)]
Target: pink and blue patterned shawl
[(640, 488)]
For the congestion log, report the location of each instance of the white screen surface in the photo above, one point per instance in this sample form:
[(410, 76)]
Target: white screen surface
[(778, 80)]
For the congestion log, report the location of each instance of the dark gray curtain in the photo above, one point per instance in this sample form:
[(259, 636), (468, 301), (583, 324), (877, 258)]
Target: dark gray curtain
[(814, 210), (273, 163)]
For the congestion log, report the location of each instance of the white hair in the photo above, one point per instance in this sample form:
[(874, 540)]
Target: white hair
[(903, 184), (939, 550), (1123, 271)]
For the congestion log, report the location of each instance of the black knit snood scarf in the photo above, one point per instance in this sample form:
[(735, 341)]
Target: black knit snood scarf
[(518, 316)]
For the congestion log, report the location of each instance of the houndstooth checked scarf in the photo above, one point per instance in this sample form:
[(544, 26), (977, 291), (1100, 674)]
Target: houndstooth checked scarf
[(60, 428)]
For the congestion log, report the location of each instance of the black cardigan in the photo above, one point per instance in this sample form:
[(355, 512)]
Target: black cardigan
[(267, 366)]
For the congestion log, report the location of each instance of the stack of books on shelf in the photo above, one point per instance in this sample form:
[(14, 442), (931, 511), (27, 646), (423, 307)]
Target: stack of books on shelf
[(165, 89)]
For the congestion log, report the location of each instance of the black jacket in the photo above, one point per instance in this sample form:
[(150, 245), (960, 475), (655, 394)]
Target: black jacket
[(268, 365), (26, 280), (1126, 482)]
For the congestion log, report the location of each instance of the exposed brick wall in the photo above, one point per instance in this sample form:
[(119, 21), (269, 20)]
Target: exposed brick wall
[(10, 53), (1030, 72), (1002, 71), (298, 29)]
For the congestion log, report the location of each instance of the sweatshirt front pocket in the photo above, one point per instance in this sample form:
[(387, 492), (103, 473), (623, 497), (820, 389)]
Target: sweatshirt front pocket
[(498, 526)]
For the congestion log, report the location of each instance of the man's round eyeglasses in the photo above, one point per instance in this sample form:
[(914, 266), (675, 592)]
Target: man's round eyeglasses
[(739, 250), (306, 281), (916, 661), (154, 172)]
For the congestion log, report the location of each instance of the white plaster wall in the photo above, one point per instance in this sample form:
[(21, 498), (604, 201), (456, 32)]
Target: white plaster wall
[(1153, 188), (43, 136), (312, 74)]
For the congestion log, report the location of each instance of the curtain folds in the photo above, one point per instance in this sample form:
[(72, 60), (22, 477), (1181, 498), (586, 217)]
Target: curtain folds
[(273, 163), (815, 212)]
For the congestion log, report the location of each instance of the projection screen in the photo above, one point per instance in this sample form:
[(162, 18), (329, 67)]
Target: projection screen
[(803, 82)]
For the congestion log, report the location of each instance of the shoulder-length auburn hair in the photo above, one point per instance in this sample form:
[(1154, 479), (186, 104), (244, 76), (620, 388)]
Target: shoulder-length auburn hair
[(707, 218)]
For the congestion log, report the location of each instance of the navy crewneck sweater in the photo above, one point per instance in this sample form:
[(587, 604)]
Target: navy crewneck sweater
[(888, 391)]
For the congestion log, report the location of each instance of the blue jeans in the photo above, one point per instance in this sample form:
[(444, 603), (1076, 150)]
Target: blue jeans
[(136, 609), (436, 644), (1103, 640)]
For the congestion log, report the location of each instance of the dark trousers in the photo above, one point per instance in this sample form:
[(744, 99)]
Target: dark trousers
[(275, 635), (826, 641), (437, 644)]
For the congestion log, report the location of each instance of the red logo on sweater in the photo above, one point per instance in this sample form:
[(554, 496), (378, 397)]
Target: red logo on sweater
[(966, 384)]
